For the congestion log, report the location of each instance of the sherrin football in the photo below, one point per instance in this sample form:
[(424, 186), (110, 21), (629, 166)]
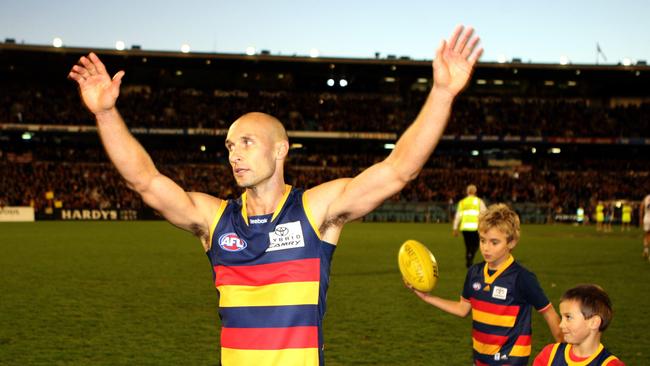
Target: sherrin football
[(418, 266)]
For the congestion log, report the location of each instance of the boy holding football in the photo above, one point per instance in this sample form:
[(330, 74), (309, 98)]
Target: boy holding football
[(500, 294), (586, 312)]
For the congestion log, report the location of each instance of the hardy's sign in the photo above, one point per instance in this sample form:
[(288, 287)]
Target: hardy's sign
[(98, 215)]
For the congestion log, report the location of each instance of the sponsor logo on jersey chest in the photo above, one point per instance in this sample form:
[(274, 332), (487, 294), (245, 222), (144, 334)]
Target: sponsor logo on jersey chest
[(286, 236), (500, 293)]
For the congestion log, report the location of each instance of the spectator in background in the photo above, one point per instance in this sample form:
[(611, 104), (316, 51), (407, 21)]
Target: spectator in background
[(626, 216), (644, 222), (466, 220)]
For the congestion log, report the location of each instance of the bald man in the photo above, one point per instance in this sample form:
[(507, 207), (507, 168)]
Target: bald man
[(271, 249)]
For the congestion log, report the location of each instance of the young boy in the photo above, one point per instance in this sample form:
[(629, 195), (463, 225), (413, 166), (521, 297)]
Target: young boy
[(500, 293), (586, 312)]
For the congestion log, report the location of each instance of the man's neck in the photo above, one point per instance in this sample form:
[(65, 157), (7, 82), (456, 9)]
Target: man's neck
[(262, 200)]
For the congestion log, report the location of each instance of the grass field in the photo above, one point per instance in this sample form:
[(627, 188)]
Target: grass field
[(141, 293)]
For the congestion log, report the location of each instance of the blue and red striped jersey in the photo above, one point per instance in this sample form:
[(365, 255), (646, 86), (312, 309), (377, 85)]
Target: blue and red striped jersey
[(561, 354), (501, 312), (272, 274)]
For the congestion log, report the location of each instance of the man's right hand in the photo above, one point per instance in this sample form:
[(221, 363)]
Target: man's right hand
[(98, 91)]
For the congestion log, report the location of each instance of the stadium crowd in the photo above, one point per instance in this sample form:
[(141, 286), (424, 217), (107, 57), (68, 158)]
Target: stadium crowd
[(141, 106), (83, 178)]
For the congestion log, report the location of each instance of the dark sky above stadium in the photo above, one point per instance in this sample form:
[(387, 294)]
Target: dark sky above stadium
[(534, 31)]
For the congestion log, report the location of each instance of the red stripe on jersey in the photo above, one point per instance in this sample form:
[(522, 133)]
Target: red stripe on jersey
[(495, 309), (269, 338), (523, 340), (301, 270), (489, 338), (479, 363)]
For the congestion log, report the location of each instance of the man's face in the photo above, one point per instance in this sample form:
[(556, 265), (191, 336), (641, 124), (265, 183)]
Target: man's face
[(250, 152)]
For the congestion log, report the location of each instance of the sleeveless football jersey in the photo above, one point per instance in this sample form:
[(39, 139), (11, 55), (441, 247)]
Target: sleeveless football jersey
[(501, 314), (272, 274), (560, 357)]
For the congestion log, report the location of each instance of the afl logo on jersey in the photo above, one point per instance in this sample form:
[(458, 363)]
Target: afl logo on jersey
[(231, 242)]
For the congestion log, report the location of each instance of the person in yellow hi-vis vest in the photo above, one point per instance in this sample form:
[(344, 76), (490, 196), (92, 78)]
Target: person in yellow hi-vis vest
[(467, 220), (600, 215), (626, 216)]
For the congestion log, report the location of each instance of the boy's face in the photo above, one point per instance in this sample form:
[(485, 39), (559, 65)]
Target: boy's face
[(495, 247), (574, 326)]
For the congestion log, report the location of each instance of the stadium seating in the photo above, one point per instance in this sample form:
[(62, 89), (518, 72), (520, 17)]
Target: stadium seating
[(505, 137), (191, 108)]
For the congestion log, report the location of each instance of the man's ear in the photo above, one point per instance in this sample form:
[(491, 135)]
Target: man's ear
[(281, 149), (512, 244)]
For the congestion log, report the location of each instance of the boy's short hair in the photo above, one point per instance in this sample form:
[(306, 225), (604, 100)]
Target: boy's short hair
[(593, 301), (500, 216)]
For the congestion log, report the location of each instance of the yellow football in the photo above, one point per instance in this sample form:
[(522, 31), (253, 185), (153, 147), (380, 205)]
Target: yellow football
[(418, 266)]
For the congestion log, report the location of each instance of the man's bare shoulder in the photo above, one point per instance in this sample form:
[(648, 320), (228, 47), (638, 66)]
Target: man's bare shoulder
[(319, 201), (207, 204), (321, 197), (207, 207), (328, 190)]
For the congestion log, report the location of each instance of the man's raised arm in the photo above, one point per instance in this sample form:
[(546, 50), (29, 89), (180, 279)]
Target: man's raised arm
[(99, 92), (348, 199)]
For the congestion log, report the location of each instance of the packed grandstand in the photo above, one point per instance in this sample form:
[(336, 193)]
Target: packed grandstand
[(548, 139)]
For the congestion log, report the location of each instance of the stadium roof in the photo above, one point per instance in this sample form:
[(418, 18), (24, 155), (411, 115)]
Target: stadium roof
[(273, 72)]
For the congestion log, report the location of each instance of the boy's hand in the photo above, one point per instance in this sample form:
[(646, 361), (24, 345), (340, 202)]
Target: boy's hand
[(420, 294)]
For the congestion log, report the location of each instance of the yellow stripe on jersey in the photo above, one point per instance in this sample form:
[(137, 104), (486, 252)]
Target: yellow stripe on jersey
[(520, 351), (491, 319), (502, 267), (287, 190), (277, 294), (585, 362), (553, 352), (285, 195), (485, 348), (609, 359), (217, 217), (310, 218), (284, 357), (244, 213)]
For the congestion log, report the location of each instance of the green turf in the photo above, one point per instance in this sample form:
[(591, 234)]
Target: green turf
[(141, 293)]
